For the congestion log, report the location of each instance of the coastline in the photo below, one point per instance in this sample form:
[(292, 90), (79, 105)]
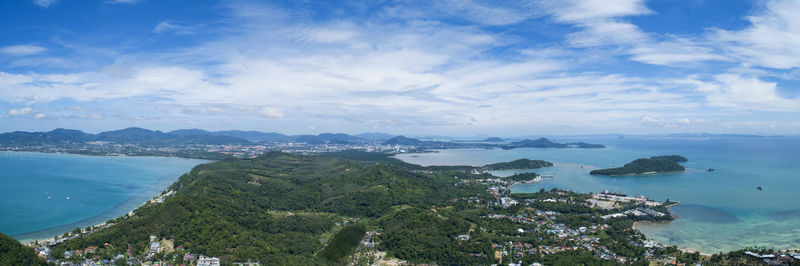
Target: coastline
[(638, 224), (153, 187)]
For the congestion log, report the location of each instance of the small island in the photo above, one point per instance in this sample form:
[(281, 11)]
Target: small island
[(584, 145), (518, 164), (655, 164)]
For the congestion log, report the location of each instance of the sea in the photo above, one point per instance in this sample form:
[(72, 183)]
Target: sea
[(47, 194), (720, 210)]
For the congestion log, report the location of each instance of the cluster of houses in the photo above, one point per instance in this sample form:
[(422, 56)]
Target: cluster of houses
[(637, 212), (790, 258)]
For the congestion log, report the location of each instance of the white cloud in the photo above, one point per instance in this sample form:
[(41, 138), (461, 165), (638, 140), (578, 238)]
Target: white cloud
[(675, 51), (20, 111), (772, 40), (264, 111), (174, 27), (647, 120), (744, 93), (420, 72), (22, 50), (44, 3), (582, 11)]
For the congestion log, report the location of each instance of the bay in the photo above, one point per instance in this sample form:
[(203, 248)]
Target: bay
[(720, 210), (47, 194)]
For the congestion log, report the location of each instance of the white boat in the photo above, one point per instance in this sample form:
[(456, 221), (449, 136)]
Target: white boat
[(67, 198)]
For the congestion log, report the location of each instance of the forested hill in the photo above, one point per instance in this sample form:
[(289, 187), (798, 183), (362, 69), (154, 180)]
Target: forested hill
[(14, 253), (655, 164), (273, 208), (518, 164)]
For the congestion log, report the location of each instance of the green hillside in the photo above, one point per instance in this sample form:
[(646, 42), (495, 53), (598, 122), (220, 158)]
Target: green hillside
[(14, 253), (274, 208), (656, 164)]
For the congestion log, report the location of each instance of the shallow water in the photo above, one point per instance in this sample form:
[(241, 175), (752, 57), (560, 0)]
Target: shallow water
[(720, 211), (33, 197)]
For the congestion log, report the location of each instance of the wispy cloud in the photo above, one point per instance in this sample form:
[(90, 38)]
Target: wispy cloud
[(123, 1), (772, 39), (174, 27), (22, 50), (44, 3)]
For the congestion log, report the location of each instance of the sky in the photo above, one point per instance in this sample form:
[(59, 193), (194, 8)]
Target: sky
[(449, 67)]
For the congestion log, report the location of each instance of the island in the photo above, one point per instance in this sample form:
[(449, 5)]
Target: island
[(655, 164), (584, 145), (518, 164), (546, 143)]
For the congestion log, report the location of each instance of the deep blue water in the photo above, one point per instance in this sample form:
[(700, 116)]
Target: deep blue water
[(720, 211), (35, 187)]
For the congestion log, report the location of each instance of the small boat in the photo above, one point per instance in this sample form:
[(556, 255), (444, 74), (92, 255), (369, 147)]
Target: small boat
[(67, 198), (48, 197), (759, 188), (710, 170)]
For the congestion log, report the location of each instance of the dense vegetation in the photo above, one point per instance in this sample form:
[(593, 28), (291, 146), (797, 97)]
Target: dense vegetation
[(518, 164), (521, 177), (657, 164), (674, 158), (274, 208), (343, 243), (14, 253)]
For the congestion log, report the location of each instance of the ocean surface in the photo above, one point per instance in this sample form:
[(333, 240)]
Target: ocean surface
[(35, 188), (720, 211)]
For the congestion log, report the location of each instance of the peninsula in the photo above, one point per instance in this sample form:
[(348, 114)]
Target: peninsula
[(655, 164)]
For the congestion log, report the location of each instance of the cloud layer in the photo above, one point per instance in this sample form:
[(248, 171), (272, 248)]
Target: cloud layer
[(434, 68)]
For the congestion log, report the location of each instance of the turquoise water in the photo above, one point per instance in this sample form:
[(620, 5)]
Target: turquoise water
[(720, 210), (99, 187)]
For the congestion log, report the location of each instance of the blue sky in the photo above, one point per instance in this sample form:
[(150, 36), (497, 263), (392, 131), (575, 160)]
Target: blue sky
[(460, 68)]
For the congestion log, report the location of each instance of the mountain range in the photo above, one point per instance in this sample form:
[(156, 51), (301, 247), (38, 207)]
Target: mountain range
[(146, 137)]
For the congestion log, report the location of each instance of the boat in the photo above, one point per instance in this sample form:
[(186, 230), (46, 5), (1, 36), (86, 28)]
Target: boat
[(710, 170), (759, 188), (67, 198)]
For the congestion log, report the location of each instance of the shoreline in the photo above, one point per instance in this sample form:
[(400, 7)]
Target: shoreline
[(649, 223), (29, 241), (136, 200)]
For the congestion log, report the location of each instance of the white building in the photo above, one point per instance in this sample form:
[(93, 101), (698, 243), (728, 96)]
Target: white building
[(207, 261)]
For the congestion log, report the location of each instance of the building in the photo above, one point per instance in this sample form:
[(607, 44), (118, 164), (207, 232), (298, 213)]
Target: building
[(207, 261)]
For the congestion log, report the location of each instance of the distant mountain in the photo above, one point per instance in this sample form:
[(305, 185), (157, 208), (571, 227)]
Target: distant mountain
[(255, 136), (57, 136), (401, 140), (375, 136), (493, 139), (340, 138), (133, 135), (190, 132), (537, 143)]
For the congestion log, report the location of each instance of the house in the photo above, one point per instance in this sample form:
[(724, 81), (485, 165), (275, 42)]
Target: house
[(90, 250), (207, 261)]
